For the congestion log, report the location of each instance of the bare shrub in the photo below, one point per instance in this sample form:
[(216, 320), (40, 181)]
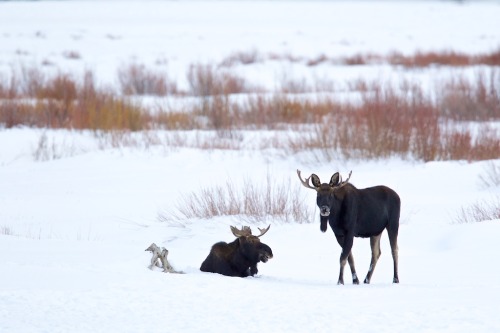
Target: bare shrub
[(387, 118), (443, 58), (419, 59), (101, 109), (48, 149), (354, 60), (244, 58), (206, 140), (461, 99), (286, 56), (73, 55), (27, 81), (62, 101), (4, 87), (317, 61), (361, 59), (428, 58), (14, 113), (491, 175), (40, 113), (203, 81), (253, 202), (486, 144), (323, 142), (449, 58), (426, 134), (489, 59), (136, 79), (479, 211), (42, 152), (206, 80), (386, 122), (460, 143), (58, 95), (392, 122), (6, 230), (111, 113), (457, 144), (295, 86), (214, 88), (174, 120), (218, 112), (60, 87), (271, 112)]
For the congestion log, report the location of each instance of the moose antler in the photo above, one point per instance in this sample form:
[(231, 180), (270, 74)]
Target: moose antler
[(342, 183), (305, 182), (246, 231), (263, 231)]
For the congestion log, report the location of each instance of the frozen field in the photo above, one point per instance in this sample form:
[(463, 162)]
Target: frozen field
[(73, 230)]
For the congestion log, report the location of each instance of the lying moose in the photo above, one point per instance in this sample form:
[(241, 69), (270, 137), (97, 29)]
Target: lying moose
[(240, 257), (353, 212)]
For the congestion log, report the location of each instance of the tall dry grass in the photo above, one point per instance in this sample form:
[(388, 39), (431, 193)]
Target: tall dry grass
[(252, 201), (484, 210), (491, 175)]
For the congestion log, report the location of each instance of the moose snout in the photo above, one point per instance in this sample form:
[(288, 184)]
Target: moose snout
[(264, 257), (265, 254), (324, 210)]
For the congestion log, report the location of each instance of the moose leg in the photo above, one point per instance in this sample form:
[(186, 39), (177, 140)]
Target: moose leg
[(253, 270), (393, 239), (350, 260), (346, 244), (375, 245), (341, 273)]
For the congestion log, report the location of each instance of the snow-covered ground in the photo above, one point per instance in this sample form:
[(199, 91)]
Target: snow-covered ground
[(73, 230)]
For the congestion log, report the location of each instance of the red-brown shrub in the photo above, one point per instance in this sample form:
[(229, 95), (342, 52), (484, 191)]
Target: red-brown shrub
[(136, 79), (461, 99), (206, 80)]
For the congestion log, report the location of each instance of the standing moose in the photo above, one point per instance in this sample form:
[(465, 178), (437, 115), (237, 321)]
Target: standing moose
[(353, 212), (240, 257)]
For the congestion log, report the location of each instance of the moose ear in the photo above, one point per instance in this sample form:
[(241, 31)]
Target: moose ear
[(315, 180), (334, 181)]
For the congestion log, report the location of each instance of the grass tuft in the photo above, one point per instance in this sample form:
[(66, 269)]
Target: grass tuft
[(491, 175), (253, 202), (479, 211)]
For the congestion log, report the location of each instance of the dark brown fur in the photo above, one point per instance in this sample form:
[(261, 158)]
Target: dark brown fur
[(238, 258)]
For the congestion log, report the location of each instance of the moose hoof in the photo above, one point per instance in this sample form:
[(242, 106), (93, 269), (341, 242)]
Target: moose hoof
[(355, 281), (340, 282), (366, 281), (395, 280)]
